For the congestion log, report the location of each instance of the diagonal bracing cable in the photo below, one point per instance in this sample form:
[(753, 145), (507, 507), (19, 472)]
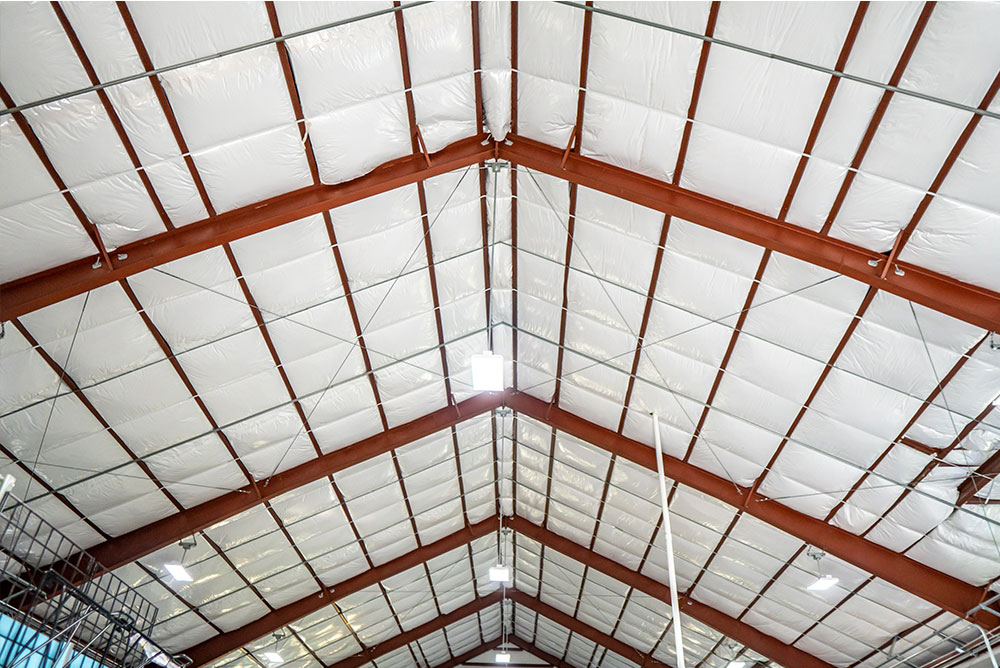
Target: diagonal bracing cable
[(52, 408)]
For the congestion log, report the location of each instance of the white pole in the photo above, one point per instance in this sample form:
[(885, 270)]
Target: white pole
[(668, 538), (989, 648)]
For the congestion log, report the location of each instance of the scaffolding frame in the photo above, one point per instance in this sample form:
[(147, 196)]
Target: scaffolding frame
[(67, 612)]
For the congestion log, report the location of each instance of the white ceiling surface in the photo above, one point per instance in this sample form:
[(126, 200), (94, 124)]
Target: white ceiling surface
[(753, 118)]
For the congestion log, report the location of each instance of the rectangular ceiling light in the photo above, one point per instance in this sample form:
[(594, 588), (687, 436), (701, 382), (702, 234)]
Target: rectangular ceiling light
[(487, 372), (178, 572), (737, 664), (499, 574), (503, 657), (823, 583), (273, 657)]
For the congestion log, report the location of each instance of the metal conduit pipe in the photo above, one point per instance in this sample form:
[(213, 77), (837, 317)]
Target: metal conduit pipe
[(669, 539)]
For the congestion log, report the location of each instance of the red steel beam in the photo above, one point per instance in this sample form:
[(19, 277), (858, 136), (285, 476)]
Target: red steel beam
[(138, 543), (939, 460), (973, 304), (580, 628), (970, 303), (89, 229), (220, 645), (224, 643), (945, 591), (902, 439), (742, 632), (980, 478), (45, 288), (436, 624), (112, 113)]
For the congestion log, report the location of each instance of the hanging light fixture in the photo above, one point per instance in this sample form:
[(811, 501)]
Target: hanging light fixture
[(273, 656), (487, 372), (825, 580), (177, 569)]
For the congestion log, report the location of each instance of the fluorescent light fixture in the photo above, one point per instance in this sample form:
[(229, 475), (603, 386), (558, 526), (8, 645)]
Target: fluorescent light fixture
[(487, 372), (503, 657), (178, 572), (737, 664), (273, 657), (824, 583), (499, 573)]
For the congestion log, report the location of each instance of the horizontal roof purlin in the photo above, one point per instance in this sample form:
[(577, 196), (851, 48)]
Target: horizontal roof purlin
[(970, 303)]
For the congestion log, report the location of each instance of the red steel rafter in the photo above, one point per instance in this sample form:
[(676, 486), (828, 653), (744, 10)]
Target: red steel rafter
[(112, 114), (905, 233), (131, 546), (33, 292), (222, 644), (528, 647), (942, 590), (89, 229), (975, 305), (981, 478), (580, 628), (767, 645), (938, 389)]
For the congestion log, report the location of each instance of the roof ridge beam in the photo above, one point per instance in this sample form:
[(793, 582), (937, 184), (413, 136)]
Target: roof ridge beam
[(220, 645), (948, 592), (973, 304), (740, 631)]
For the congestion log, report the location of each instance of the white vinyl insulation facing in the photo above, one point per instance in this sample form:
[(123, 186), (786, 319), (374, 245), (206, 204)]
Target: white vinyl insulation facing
[(572, 316)]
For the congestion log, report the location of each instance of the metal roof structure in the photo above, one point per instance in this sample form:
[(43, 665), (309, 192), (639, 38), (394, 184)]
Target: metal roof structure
[(249, 248)]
